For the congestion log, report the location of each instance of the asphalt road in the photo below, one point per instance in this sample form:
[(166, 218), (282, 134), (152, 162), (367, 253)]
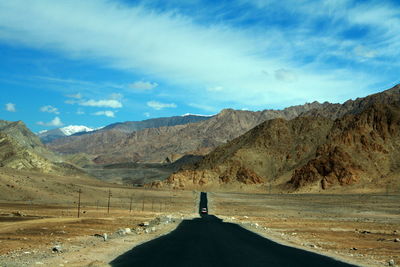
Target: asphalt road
[(208, 241)]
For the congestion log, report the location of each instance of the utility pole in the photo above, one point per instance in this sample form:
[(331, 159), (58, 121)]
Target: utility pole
[(79, 202), (109, 198), (130, 206)]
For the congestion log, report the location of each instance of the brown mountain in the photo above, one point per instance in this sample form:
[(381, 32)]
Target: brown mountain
[(361, 148), (171, 142), (21, 149)]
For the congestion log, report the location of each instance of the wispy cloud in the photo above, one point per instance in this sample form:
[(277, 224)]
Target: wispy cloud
[(311, 44), (141, 85), (49, 109), (56, 122), (158, 105), (10, 107), (76, 96), (107, 113), (110, 103)]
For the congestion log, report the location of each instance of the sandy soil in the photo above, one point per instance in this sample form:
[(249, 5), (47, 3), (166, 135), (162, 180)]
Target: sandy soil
[(29, 231), (360, 229)]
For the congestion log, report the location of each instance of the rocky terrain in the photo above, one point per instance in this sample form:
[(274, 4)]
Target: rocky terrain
[(21, 149), (311, 152), (115, 144)]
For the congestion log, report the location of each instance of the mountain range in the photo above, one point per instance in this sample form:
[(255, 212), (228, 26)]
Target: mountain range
[(305, 148), (47, 136), (354, 144), (169, 143)]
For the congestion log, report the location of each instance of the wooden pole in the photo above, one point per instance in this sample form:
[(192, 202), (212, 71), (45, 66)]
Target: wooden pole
[(79, 202), (109, 199)]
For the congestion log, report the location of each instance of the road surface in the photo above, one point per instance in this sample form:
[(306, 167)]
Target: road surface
[(208, 241)]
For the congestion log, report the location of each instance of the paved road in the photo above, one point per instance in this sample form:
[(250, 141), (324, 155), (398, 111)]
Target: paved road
[(207, 241)]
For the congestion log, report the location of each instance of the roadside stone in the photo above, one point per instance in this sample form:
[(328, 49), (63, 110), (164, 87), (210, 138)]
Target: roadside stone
[(57, 249), (121, 232), (397, 240), (128, 230), (391, 262), (105, 236)]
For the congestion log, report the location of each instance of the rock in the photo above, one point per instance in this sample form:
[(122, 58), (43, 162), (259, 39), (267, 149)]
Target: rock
[(391, 262), (128, 230), (245, 217), (105, 236), (353, 248), (121, 232), (153, 229), (57, 249), (397, 240)]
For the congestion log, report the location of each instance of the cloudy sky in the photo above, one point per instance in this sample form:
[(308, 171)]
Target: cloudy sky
[(96, 62)]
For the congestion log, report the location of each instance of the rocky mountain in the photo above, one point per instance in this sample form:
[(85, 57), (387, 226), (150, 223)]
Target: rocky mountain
[(169, 143), (132, 126), (361, 148), (266, 152), (21, 149), (47, 136)]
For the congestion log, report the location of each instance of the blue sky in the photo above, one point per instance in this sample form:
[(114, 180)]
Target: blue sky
[(96, 62)]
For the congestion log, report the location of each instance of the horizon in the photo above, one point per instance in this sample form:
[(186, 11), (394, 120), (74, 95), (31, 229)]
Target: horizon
[(65, 64)]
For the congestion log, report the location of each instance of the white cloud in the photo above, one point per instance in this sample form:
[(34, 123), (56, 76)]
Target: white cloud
[(49, 109), (10, 107), (110, 103), (107, 113), (80, 111), (285, 75), (176, 49), (141, 85), (215, 89), (364, 52), (116, 96), (56, 122), (158, 105), (147, 114), (76, 96)]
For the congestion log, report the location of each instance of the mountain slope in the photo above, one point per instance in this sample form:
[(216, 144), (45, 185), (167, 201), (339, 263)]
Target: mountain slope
[(357, 151), (172, 142), (362, 148), (21, 149), (132, 126), (50, 135), (264, 153)]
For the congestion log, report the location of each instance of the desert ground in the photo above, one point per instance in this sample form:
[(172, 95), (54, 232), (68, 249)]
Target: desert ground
[(363, 229), (40, 212)]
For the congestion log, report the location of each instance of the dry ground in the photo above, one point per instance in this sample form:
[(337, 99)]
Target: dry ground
[(360, 229), (39, 211)]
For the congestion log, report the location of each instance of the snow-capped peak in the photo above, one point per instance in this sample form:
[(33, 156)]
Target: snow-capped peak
[(73, 129)]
